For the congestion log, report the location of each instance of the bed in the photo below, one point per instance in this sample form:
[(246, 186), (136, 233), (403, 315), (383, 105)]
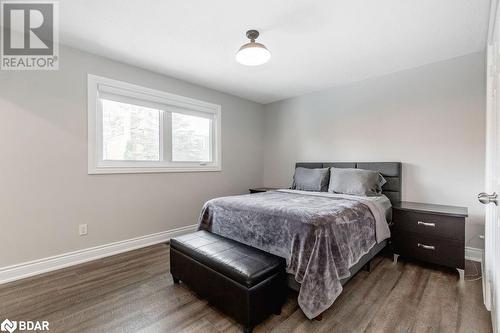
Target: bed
[(325, 238)]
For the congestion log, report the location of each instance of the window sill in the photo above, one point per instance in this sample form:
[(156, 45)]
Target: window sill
[(125, 170)]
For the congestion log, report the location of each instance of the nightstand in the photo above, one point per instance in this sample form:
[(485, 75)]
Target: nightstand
[(431, 233), (262, 189)]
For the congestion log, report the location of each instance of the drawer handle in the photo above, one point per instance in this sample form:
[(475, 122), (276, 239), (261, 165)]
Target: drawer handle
[(427, 224), (427, 247)]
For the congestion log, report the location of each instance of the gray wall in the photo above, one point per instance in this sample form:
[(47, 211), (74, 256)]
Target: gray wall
[(431, 118), (45, 191)]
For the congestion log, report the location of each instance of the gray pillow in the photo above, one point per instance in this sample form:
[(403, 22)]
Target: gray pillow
[(311, 179), (355, 182)]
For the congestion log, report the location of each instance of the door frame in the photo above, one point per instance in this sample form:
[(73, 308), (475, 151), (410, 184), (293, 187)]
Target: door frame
[(490, 271)]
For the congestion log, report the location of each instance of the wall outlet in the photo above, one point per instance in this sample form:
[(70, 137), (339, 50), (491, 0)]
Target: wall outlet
[(82, 229)]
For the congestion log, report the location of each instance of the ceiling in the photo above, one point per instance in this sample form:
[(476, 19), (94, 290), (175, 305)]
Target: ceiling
[(314, 44)]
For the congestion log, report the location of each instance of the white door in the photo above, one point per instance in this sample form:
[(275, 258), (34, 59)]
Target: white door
[(491, 280)]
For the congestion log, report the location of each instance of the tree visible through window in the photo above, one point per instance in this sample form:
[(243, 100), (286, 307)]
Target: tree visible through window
[(130, 132), (190, 138)]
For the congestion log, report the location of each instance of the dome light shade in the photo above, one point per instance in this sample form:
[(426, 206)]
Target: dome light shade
[(253, 54)]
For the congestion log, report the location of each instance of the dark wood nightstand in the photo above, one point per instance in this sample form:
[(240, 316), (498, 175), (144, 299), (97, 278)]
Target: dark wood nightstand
[(262, 189), (431, 233)]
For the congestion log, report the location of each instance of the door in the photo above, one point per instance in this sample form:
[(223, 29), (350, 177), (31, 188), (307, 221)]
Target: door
[(491, 280)]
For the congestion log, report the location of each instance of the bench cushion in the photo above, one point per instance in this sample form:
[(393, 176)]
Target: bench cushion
[(243, 264)]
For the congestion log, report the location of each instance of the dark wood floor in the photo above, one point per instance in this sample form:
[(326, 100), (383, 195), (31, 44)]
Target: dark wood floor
[(134, 292)]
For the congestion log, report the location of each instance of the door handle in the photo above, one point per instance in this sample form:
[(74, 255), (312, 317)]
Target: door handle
[(486, 198)]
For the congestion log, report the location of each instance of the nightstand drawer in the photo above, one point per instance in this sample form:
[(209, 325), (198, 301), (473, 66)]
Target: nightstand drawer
[(435, 250), (429, 224)]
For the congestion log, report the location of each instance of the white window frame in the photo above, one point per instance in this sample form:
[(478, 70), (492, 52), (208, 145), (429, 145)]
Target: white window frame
[(166, 103)]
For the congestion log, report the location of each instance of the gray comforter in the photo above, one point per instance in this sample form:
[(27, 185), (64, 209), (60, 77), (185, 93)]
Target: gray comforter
[(321, 235)]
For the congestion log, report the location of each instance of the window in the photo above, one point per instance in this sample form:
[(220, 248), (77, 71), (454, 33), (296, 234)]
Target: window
[(135, 129), (190, 138)]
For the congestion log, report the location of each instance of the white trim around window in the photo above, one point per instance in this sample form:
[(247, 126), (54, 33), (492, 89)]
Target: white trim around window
[(100, 88)]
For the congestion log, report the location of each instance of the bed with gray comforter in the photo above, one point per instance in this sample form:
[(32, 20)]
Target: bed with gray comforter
[(321, 235)]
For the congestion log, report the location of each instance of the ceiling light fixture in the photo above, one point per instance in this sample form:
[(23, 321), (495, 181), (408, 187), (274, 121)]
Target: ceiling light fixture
[(253, 54)]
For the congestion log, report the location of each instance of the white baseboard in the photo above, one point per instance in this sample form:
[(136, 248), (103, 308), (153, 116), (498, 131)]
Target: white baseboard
[(474, 254), (27, 269)]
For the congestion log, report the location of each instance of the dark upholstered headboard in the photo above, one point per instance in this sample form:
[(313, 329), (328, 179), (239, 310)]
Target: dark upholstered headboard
[(390, 170)]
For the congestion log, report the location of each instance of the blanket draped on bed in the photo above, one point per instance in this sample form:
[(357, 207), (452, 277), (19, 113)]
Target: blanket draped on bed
[(320, 237)]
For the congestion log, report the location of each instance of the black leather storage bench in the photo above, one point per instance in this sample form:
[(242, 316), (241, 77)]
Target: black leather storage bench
[(246, 283)]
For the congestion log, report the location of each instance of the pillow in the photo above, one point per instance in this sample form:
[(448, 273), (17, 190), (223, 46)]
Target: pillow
[(355, 182), (311, 179)]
